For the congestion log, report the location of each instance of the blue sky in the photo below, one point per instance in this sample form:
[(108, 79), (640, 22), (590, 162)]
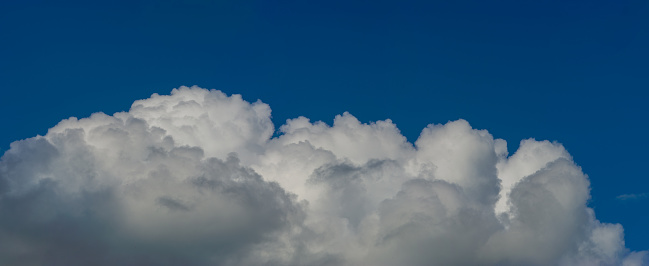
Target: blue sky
[(571, 71)]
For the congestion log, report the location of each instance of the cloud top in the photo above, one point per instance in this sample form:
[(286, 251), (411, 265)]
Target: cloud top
[(196, 178)]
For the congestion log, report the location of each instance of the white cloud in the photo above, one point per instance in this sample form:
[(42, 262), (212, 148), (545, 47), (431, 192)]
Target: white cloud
[(195, 178)]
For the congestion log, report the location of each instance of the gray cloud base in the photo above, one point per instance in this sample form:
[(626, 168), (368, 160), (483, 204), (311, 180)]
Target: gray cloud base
[(196, 178)]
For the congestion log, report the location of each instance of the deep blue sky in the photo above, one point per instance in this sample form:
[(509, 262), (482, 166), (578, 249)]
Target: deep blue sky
[(572, 71)]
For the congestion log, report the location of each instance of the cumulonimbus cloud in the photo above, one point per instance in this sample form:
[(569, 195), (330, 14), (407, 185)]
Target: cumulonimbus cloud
[(196, 178)]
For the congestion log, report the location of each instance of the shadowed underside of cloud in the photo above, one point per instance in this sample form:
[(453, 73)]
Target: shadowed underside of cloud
[(196, 178)]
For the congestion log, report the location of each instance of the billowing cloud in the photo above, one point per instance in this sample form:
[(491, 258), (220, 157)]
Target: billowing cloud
[(196, 178)]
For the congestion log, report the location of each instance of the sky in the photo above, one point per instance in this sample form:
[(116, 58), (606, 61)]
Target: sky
[(573, 72)]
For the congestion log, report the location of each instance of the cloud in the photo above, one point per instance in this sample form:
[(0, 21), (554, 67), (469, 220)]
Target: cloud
[(196, 178), (632, 196)]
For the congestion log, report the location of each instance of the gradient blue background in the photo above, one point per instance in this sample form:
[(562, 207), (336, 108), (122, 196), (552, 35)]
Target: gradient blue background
[(572, 71)]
